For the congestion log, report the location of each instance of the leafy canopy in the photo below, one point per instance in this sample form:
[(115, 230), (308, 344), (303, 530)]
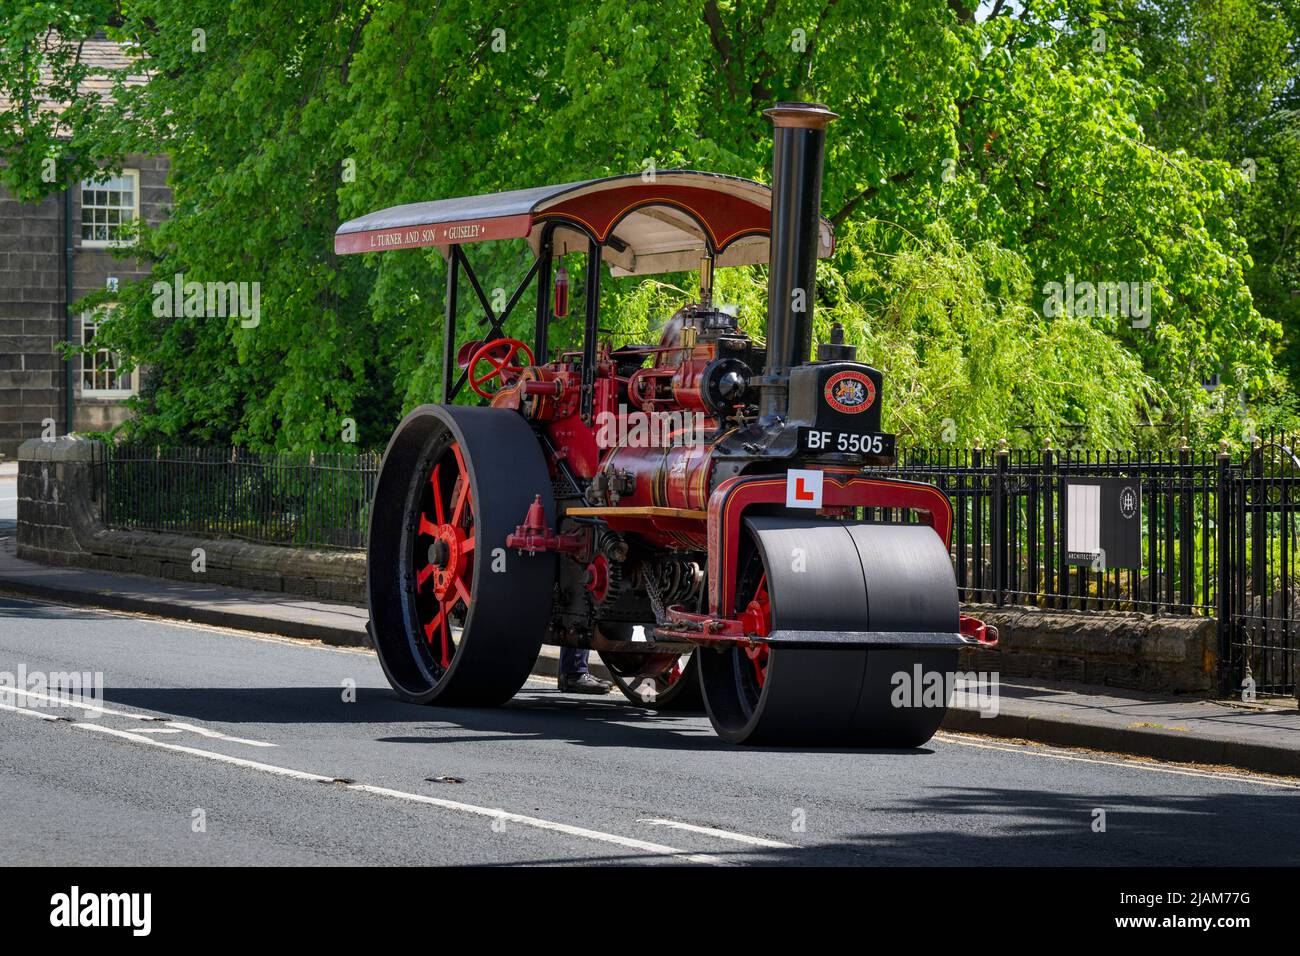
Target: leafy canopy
[(980, 157)]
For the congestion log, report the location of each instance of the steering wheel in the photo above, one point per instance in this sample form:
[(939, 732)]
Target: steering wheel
[(498, 355)]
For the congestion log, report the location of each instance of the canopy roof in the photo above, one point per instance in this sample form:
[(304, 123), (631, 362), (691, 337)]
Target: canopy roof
[(645, 227)]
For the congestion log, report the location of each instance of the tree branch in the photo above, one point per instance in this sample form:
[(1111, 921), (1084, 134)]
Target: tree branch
[(847, 209)]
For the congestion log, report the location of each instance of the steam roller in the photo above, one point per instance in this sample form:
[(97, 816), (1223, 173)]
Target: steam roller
[(710, 511)]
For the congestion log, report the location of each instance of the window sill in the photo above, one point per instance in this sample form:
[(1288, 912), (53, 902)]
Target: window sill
[(106, 244)]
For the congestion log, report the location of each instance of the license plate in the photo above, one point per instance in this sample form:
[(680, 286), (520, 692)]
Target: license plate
[(820, 441)]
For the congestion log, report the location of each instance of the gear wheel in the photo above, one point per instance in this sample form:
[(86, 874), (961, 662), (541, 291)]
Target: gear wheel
[(607, 567), (604, 581)]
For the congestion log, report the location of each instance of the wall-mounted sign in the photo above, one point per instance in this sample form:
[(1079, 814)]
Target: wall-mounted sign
[(1103, 522)]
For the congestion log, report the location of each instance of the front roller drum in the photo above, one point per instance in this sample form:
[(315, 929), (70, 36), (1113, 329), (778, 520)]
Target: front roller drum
[(829, 576), (455, 617)]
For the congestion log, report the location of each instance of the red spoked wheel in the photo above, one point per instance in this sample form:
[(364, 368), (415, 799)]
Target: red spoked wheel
[(444, 549), (656, 681), (495, 362), (456, 618)]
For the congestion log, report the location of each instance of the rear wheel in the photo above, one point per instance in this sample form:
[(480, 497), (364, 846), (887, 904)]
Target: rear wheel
[(656, 681), (454, 616), (817, 575)]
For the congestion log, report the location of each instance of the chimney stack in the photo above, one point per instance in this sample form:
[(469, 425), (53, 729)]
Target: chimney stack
[(799, 142)]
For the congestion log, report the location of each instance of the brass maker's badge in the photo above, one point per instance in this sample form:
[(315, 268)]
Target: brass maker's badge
[(850, 392)]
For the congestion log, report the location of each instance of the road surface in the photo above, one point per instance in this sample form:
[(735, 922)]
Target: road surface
[(219, 747)]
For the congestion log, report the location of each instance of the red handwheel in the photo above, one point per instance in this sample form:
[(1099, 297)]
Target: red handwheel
[(499, 356)]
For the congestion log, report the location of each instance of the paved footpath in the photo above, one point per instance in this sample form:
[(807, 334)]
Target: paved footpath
[(1257, 738)]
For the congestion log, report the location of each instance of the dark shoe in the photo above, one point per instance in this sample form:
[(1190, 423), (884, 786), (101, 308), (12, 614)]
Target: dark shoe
[(582, 684)]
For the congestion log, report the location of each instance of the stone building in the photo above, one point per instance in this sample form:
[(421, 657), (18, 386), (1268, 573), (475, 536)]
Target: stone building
[(52, 254)]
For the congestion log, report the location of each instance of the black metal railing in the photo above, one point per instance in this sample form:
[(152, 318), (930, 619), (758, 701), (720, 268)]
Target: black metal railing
[(1260, 622), (1219, 534), (1009, 527), (304, 499)]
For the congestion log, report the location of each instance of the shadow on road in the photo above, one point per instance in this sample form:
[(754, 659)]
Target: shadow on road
[(999, 826), (540, 715), (18, 608), (1017, 827)]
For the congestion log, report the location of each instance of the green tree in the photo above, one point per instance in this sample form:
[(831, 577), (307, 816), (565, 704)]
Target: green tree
[(1224, 83), (980, 157)]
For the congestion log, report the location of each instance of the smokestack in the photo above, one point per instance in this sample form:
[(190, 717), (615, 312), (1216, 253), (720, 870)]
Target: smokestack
[(799, 142)]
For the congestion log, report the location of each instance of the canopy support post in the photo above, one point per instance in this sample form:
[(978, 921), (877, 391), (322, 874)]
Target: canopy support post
[(591, 330), (545, 256), (449, 324)]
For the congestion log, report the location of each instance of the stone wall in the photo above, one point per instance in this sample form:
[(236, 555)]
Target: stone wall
[(1166, 654)]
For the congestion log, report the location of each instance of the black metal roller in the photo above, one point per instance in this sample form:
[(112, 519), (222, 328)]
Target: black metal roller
[(828, 576), (455, 617)]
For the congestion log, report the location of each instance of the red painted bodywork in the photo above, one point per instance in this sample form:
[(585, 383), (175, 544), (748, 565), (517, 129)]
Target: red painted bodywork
[(842, 489), (681, 475), (725, 217)]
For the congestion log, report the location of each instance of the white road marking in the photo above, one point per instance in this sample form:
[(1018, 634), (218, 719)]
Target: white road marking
[(720, 834), (176, 725), (216, 734), (614, 839), (29, 713), (627, 842), (1131, 764), (206, 754)]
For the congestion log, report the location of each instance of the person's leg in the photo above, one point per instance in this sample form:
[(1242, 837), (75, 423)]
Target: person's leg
[(573, 661), (574, 676)]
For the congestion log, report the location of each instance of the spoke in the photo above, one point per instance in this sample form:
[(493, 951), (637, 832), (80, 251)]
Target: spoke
[(446, 635), (433, 626), (441, 624), (462, 592), (427, 526), (437, 493), (467, 545), (423, 575), (462, 496)]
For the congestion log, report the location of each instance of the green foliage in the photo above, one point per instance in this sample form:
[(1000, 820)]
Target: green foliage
[(981, 156), (41, 66), (965, 359), (1223, 81)]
